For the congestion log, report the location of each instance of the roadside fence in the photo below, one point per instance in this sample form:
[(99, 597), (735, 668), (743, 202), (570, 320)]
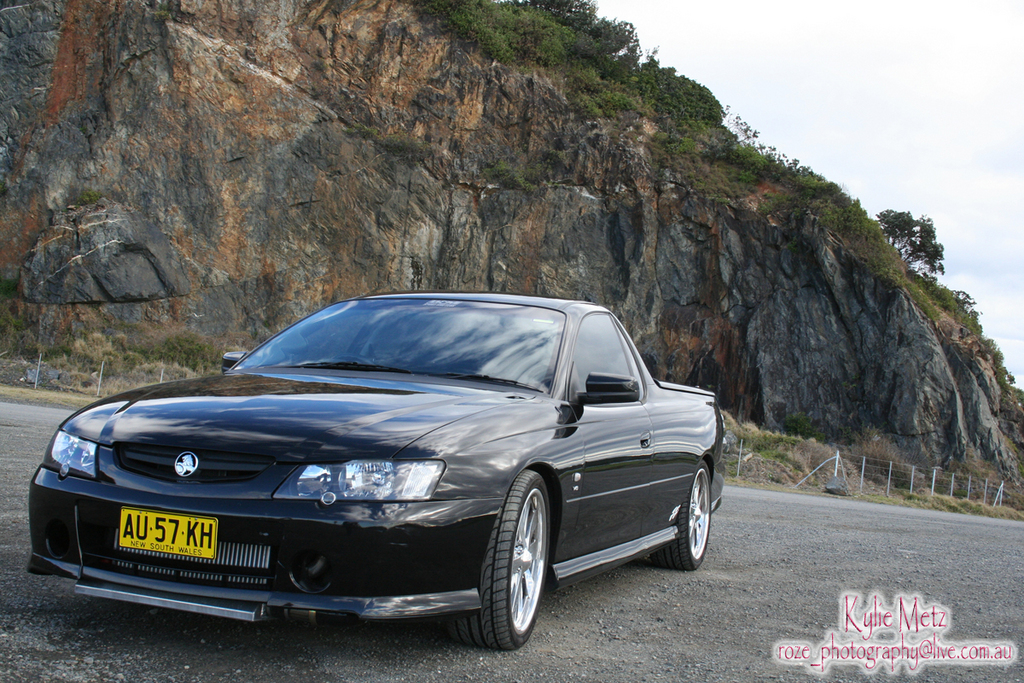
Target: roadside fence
[(866, 475)]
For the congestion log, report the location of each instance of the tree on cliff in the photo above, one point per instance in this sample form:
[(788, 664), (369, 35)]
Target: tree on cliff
[(914, 239)]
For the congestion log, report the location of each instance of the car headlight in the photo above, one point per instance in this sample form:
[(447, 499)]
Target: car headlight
[(383, 480), (70, 454)]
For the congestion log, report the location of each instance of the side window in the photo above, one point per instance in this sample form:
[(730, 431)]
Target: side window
[(598, 349)]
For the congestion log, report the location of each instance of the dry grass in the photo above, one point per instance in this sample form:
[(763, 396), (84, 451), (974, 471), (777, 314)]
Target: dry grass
[(780, 461), (61, 399), (121, 357), (77, 377), (946, 504)]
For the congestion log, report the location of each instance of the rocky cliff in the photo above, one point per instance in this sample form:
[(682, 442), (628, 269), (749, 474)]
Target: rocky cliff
[(259, 159)]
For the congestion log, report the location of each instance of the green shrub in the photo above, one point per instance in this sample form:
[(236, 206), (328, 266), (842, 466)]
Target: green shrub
[(8, 288), (187, 350), (398, 144), (507, 176), (673, 145), (865, 238), (676, 96), (364, 131), (406, 147), (508, 33), (799, 424), (599, 58), (958, 304), (89, 197)]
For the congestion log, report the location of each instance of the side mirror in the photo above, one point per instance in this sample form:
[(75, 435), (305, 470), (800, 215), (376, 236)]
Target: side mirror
[(229, 359), (610, 389)]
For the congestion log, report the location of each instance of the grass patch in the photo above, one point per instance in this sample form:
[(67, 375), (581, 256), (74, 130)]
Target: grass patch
[(945, 504), (61, 399)]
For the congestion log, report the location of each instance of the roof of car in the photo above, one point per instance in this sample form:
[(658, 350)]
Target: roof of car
[(490, 297)]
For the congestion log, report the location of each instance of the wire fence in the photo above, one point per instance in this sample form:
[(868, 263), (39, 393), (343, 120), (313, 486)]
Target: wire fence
[(865, 475)]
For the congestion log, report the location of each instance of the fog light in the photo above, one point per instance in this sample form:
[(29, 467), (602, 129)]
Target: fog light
[(311, 572), (58, 538)]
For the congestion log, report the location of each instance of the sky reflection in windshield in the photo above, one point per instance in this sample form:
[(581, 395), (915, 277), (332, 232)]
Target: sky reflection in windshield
[(430, 336)]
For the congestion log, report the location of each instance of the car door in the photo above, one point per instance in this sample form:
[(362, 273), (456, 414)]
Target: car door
[(682, 419), (617, 442)]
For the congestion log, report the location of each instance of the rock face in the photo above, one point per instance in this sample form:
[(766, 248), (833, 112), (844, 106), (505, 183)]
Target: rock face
[(102, 254), (267, 158)]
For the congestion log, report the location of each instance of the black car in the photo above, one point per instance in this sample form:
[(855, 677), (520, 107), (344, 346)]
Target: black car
[(399, 456)]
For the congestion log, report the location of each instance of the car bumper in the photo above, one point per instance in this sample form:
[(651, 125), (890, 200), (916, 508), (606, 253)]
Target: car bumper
[(383, 560)]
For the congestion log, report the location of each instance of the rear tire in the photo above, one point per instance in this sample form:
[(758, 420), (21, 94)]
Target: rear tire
[(514, 570), (687, 552)]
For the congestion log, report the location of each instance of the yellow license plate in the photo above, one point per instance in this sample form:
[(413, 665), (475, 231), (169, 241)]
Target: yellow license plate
[(164, 532)]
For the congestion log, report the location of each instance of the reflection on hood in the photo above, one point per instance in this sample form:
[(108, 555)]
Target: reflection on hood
[(298, 416)]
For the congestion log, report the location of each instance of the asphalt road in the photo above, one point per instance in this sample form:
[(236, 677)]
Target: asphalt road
[(775, 569)]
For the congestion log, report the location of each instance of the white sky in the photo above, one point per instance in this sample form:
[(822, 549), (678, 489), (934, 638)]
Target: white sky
[(912, 106)]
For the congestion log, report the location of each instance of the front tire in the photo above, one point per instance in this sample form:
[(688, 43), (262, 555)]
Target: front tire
[(687, 551), (514, 570)]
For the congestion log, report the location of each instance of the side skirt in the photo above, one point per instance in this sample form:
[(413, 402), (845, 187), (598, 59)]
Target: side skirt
[(579, 568)]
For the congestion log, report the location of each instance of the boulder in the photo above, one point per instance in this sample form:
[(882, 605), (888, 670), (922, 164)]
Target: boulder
[(102, 253), (837, 487)]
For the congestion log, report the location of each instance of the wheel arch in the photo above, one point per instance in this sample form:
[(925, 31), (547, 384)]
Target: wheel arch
[(709, 459), (554, 491)]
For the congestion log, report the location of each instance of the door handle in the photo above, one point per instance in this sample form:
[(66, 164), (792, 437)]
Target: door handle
[(645, 440)]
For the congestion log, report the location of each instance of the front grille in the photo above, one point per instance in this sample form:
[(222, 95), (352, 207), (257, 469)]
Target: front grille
[(243, 555), (187, 576), (237, 565), (158, 462)]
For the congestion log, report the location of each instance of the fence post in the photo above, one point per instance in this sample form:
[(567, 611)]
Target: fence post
[(969, 476), (161, 375), (952, 481), (863, 461), (100, 383), (984, 499), (889, 480), (997, 501), (934, 470), (38, 366), (739, 459), (912, 469)]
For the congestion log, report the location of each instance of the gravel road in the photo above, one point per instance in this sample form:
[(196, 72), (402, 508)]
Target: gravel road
[(775, 568)]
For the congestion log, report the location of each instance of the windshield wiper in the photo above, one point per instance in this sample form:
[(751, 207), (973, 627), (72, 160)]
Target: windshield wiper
[(350, 365), (485, 378)]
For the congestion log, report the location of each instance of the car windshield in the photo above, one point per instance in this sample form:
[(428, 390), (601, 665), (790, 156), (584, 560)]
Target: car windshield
[(497, 342)]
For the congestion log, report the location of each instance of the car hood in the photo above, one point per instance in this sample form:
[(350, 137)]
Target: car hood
[(292, 417)]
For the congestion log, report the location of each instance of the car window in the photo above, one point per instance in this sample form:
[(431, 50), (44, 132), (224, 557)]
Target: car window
[(598, 349), (428, 336)]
